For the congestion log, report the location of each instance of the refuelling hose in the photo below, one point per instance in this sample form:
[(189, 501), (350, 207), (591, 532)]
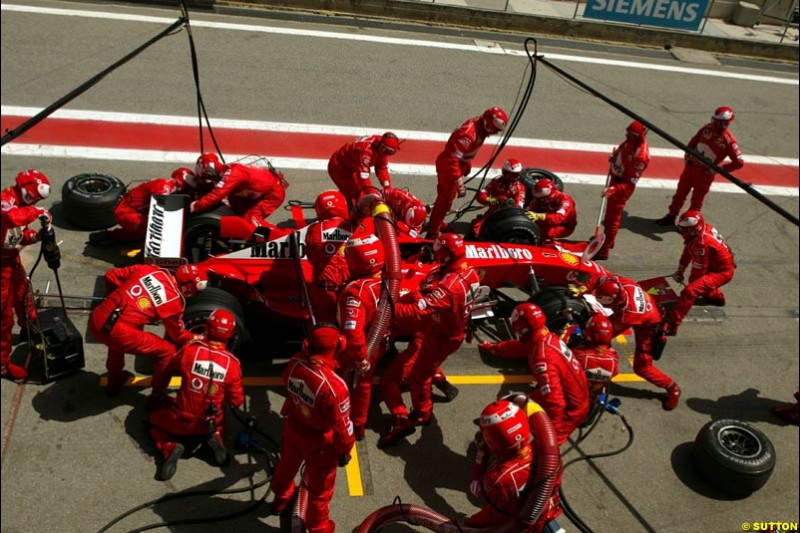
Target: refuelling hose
[(539, 491)]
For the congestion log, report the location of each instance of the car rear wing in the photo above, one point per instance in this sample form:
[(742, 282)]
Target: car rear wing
[(163, 244)]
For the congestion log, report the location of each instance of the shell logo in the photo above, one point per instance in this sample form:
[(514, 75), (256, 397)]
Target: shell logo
[(569, 258), (143, 302), (305, 411)]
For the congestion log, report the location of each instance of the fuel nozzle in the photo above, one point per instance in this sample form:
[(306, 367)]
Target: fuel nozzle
[(50, 249)]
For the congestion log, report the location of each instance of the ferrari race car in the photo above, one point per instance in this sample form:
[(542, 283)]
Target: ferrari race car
[(268, 281)]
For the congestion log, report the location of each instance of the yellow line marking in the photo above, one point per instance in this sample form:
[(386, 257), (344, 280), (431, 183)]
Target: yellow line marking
[(489, 379), (353, 473)]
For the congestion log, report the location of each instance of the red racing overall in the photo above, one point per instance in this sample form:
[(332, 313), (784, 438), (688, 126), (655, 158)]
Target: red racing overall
[(210, 376), (253, 193), (142, 295), (712, 267), (317, 431)]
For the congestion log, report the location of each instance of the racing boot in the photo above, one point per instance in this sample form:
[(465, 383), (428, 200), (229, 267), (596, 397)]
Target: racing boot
[(359, 432), (673, 397), (158, 401), (445, 387), (419, 418), (281, 505), (116, 381), (666, 220), (170, 464), (13, 372), (221, 456), (402, 427), (101, 238), (789, 414)]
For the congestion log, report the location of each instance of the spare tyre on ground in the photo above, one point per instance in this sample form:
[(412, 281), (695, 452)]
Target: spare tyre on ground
[(733, 456), (88, 200)]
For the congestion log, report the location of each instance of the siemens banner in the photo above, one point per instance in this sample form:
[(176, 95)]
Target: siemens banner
[(675, 14)]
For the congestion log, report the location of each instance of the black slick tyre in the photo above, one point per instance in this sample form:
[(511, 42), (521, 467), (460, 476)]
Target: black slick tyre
[(510, 225), (201, 238), (201, 305), (88, 200), (561, 309), (733, 456)]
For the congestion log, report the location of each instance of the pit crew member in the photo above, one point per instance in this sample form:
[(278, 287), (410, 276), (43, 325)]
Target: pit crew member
[(210, 378), (628, 162), (501, 191), (440, 309), (18, 210), (253, 193), (561, 387), (502, 468), (317, 428), (349, 167), (141, 295), (600, 361), (634, 308), (712, 266), (409, 212), (552, 210), (325, 240), (358, 305), (716, 142), (454, 163)]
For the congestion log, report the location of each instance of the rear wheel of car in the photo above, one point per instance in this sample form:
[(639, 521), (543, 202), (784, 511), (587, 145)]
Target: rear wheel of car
[(200, 306), (734, 457), (201, 239), (510, 225), (530, 176), (561, 309), (88, 200)]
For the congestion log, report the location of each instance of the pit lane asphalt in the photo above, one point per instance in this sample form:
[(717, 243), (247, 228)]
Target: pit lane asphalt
[(76, 459)]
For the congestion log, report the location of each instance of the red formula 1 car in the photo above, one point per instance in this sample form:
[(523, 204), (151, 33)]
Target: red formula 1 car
[(269, 282)]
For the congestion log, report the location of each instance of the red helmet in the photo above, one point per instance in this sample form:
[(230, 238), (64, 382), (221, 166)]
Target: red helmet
[(415, 216), (512, 168), (544, 188), (364, 254), (691, 223), (389, 143), (636, 130), (324, 340), (527, 317), (598, 330), (609, 290), (331, 204), (449, 247), (220, 325), (190, 280), (33, 186), (209, 167), (505, 428), (723, 114), (494, 120)]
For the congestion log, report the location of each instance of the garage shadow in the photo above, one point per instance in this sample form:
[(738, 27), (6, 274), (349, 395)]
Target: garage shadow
[(682, 465), (746, 406), (80, 396), (449, 469), (646, 227)]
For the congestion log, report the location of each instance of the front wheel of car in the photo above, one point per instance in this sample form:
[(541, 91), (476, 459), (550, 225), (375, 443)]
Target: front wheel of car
[(200, 306)]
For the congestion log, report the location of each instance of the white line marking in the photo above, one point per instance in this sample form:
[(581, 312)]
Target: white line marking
[(288, 127), (188, 158), (388, 40)]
